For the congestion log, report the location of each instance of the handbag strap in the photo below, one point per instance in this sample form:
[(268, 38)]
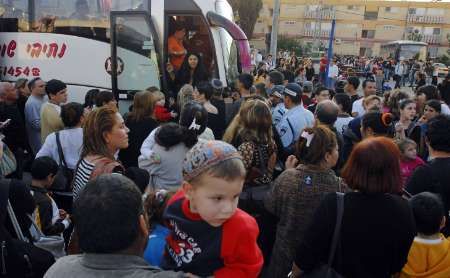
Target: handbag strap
[(14, 222), (62, 160), (33, 222), (337, 228)]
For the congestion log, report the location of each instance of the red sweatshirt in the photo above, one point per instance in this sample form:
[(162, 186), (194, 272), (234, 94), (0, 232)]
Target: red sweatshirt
[(196, 247), (162, 114)]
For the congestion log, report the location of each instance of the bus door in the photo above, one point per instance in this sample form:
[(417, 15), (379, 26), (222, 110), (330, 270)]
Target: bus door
[(134, 64)]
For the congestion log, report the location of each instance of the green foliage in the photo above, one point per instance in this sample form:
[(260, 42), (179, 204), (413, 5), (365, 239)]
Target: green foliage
[(246, 13), (291, 44)]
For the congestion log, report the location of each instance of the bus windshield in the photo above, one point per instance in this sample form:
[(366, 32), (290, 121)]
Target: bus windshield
[(411, 51)]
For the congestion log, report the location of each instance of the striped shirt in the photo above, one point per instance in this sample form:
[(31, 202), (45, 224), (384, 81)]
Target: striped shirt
[(82, 176)]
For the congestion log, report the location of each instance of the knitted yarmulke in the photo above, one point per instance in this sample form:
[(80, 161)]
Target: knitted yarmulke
[(206, 154)]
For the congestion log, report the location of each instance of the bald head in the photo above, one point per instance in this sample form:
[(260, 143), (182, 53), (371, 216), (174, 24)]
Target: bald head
[(327, 112)]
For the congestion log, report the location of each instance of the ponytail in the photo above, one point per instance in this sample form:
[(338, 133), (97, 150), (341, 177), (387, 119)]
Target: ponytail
[(380, 123)]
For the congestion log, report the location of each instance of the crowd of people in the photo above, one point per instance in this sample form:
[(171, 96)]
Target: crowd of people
[(286, 175)]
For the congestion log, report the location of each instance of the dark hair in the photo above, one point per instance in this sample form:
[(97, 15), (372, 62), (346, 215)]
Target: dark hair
[(103, 97), (380, 173), (405, 102), (430, 92), (354, 81), (171, 134), (364, 84), (262, 89), (246, 80), (71, 114), (89, 98), (380, 123), (428, 211), (323, 142), (319, 89), (435, 104), (139, 176), (344, 101), (184, 73), (261, 72), (32, 82), (21, 83), (205, 88), (276, 77), (42, 167), (438, 133), (107, 214)]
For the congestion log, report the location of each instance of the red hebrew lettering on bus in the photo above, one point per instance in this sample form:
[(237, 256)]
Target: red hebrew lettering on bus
[(49, 50), (8, 49)]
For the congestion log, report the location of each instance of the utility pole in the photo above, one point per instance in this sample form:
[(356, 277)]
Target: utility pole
[(330, 51), (274, 35)]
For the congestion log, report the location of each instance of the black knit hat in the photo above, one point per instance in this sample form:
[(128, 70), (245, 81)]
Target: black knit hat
[(54, 86)]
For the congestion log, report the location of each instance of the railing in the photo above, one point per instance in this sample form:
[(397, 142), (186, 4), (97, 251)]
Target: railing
[(322, 14), (311, 33), (427, 19), (432, 39)]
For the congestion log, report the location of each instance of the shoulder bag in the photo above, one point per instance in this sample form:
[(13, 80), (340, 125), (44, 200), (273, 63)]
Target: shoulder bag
[(53, 244), (64, 176)]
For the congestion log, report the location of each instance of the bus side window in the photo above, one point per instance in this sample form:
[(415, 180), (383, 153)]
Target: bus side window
[(14, 15)]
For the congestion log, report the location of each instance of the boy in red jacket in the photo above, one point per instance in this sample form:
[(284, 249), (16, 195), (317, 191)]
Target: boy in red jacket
[(209, 235)]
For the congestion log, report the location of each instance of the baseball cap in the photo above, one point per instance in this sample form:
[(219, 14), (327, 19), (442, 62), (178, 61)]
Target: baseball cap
[(293, 89), (277, 91), (307, 86)]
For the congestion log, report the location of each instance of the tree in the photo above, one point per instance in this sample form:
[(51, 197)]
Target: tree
[(246, 12), (290, 44)]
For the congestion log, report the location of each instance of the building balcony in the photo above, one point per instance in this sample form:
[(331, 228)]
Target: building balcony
[(326, 15), (426, 19), (311, 33), (432, 39)]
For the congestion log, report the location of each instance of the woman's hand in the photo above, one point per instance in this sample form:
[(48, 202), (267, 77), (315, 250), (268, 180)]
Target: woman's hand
[(291, 162)]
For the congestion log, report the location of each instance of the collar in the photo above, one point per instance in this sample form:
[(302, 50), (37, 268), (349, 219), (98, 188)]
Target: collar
[(429, 241), (38, 189), (57, 107), (114, 261), (187, 211)]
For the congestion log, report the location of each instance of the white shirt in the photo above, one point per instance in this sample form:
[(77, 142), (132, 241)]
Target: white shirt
[(342, 123), (358, 107), (71, 143), (445, 109), (333, 71)]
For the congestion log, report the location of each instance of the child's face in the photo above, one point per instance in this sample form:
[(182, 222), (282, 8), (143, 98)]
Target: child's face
[(410, 151), (161, 102), (214, 199)]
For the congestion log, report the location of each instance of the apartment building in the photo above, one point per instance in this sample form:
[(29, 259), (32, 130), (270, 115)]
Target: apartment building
[(361, 25)]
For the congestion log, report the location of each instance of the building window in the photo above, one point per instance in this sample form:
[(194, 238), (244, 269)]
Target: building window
[(351, 7), (387, 9), (290, 22), (436, 31), (389, 27), (370, 15), (412, 11), (368, 34)]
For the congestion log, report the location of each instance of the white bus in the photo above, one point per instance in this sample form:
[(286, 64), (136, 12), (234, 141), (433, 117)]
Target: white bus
[(404, 50), (118, 45)]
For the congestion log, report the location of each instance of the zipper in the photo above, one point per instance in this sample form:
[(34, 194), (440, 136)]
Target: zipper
[(4, 254)]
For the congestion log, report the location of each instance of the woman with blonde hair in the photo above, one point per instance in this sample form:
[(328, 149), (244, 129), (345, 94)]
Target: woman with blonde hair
[(251, 133), (141, 123), (104, 133), (185, 95)]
